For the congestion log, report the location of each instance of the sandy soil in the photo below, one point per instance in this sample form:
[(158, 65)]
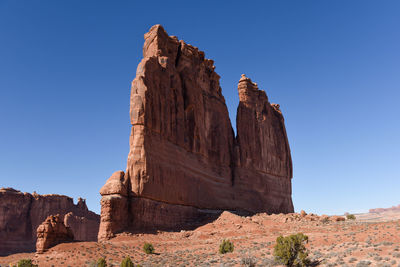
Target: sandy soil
[(363, 242)]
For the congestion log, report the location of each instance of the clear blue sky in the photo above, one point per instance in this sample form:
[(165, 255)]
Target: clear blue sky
[(333, 66)]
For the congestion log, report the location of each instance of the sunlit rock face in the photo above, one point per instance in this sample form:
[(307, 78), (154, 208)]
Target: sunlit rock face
[(184, 159), (52, 232), (22, 213)]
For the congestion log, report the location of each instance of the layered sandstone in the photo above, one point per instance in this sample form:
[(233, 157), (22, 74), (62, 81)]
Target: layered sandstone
[(185, 160), (22, 213), (379, 210), (52, 232)]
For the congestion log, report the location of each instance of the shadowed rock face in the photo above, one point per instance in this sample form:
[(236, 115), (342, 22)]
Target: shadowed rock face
[(22, 213), (184, 159)]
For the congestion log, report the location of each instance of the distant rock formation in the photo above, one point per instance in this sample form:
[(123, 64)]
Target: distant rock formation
[(379, 210), (22, 213), (52, 232), (184, 158)]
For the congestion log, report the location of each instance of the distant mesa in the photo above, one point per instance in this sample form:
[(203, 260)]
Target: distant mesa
[(379, 210), (22, 213), (185, 161)]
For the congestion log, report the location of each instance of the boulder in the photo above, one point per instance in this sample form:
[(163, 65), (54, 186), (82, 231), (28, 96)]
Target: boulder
[(336, 218), (303, 213)]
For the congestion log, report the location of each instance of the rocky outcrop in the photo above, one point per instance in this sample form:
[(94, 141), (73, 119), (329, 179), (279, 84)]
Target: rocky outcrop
[(52, 232), (22, 213), (300, 217), (184, 159)]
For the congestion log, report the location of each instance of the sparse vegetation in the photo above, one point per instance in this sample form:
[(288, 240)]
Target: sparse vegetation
[(101, 262), (291, 250), (226, 246), (248, 262), (148, 248), (355, 243), (350, 217), (127, 262), (325, 219), (26, 263)]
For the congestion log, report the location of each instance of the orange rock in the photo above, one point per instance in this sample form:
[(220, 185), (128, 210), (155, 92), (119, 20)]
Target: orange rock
[(337, 218), (52, 232), (22, 213), (184, 159)]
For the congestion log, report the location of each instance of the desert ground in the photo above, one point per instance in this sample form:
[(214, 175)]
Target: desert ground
[(370, 240)]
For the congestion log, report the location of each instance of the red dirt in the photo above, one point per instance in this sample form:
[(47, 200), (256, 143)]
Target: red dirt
[(341, 243)]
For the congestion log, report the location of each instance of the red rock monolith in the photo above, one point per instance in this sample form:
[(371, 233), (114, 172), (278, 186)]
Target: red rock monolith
[(184, 158)]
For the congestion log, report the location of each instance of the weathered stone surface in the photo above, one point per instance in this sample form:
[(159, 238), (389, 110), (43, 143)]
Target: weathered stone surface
[(52, 232), (22, 213), (116, 184), (184, 158), (82, 227)]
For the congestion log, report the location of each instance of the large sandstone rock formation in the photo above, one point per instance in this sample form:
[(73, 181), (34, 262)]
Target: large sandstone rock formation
[(22, 213), (379, 210), (184, 158), (52, 232)]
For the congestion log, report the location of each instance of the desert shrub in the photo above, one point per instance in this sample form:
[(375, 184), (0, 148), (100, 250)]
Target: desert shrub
[(148, 248), (101, 262), (351, 260), (291, 250), (127, 262), (325, 219), (225, 246), (26, 263), (248, 262), (350, 217), (363, 264)]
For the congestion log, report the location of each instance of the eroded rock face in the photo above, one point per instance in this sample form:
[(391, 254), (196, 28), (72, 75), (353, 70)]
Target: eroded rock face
[(82, 227), (184, 159), (52, 232), (379, 210), (22, 213)]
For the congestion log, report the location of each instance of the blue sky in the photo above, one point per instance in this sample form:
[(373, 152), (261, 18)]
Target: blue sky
[(333, 66)]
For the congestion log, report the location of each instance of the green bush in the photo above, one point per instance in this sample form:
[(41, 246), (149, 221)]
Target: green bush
[(101, 262), (26, 263), (225, 247), (350, 217), (291, 250), (127, 262), (148, 248)]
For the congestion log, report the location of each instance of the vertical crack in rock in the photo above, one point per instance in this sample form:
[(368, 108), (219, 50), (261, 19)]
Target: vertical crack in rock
[(178, 55), (184, 158)]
